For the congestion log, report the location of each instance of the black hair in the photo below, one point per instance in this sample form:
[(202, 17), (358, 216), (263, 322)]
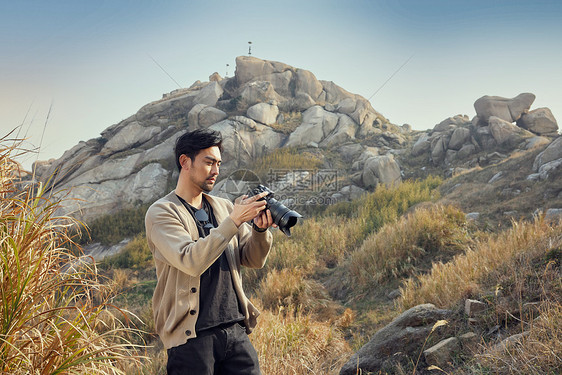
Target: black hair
[(191, 142)]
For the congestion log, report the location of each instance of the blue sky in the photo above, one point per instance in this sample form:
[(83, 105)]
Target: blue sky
[(91, 61)]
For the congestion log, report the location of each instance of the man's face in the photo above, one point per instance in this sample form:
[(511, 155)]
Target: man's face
[(204, 169)]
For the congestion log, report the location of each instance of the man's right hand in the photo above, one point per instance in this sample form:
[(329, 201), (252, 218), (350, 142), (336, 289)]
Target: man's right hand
[(246, 209)]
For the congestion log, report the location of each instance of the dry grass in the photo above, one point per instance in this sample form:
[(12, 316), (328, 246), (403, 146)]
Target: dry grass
[(408, 246), (292, 120), (289, 290), (285, 159), (298, 344), (537, 352), (448, 283), (53, 314)]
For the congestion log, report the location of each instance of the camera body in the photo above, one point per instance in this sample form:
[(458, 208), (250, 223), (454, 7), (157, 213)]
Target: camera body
[(282, 216)]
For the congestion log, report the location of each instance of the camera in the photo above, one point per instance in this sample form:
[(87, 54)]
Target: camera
[(284, 217)]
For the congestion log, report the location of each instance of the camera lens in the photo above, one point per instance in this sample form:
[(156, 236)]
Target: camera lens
[(284, 217)]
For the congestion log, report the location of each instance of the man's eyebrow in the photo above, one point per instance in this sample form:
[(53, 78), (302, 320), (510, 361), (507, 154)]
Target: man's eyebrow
[(212, 159)]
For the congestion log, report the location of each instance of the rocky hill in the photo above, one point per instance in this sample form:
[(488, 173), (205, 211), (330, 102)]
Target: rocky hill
[(269, 106), (504, 163)]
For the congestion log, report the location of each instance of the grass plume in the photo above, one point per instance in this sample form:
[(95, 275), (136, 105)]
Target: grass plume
[(54, 311)]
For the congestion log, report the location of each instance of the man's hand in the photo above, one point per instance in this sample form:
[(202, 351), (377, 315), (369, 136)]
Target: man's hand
[(264, 220), (246, 209)]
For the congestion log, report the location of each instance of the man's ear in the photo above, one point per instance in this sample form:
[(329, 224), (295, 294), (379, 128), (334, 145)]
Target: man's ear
[(185, 161)]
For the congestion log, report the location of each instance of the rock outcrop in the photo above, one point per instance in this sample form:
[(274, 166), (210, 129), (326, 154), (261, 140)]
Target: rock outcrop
[(548, 161), (500, 125), (269, 105), (132, 162), (402, 337), (539, 121), (509, 110)]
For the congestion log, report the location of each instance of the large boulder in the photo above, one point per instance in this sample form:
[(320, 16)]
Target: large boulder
[(551, 153), (459, 137), (344, 132), (258, 92), (168, 108), (264, 113), (249, 68), (381, 170), (245, 140), (506, 133), (405, 335), (307, 83), (317, 123), (334, 93), (439, 147), (539, 121), (209, 94), (202, 115), (211, 115), (91, 200), (73, 160), (509, 110), (451, 122), (347, 106), (421, 145)]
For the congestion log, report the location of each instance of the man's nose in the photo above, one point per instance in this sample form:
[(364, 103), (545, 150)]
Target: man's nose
[(215, 170)]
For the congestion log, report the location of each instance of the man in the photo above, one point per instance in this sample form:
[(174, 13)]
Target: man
[(199, 243)]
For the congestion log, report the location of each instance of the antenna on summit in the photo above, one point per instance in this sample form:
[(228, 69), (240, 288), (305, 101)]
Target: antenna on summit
[(249, 48)]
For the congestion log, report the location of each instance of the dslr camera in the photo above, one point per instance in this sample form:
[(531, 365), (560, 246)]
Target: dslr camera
[(284, 217)]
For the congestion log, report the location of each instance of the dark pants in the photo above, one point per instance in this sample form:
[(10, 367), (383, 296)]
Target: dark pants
[(221, 350)]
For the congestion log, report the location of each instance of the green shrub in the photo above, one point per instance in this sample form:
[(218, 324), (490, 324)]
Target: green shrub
[(135, 255), (386, 204)]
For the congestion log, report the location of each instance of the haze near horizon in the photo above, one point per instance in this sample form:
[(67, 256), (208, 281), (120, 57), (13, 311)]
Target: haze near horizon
[(74, 69)]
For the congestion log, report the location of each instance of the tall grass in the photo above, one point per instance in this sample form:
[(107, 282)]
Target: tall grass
[(298, 344), (111, 229), (538, 352), (326, 241), (53, 312), (448, 282), (387, 204), (135, 255), (400, 249)]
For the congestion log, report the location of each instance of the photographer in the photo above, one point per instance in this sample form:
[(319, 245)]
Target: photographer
[(199, 243)]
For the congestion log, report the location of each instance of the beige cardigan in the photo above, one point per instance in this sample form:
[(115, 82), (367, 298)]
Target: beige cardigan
[(181, 258)]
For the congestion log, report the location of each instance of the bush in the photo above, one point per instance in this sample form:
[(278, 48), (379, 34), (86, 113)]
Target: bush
[(135, 255), (325, 241), (290, 292)]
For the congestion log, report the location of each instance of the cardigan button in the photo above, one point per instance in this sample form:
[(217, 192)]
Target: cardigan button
[(193, 312), (193, 290), (188, 332)]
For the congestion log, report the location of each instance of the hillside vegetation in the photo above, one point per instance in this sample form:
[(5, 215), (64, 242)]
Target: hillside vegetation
[(324, 291)]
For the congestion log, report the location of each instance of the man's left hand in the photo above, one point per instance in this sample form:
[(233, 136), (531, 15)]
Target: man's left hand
[(264, 220)]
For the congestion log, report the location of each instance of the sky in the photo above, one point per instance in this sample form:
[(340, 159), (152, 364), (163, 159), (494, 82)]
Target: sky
[(70, 69)]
